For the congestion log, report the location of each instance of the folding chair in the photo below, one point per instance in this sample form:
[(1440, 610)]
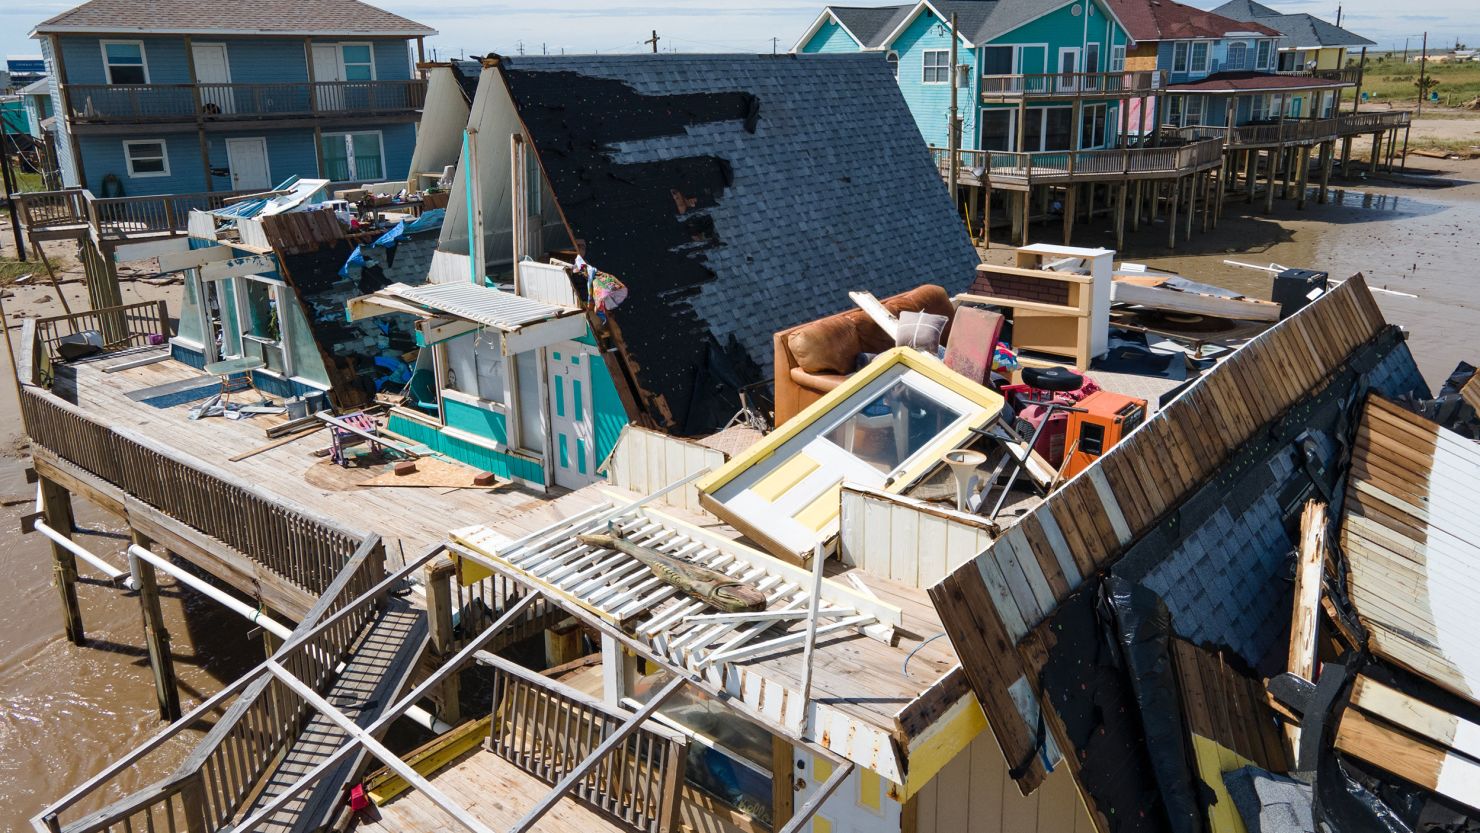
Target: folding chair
[(341, 439)]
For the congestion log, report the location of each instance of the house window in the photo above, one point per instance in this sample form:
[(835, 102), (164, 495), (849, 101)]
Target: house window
[(124, 62), (353, 156), (893, 59), (1058, 131), (1117, 58), (1265, 48), (1179, 57), (1200, 56), (1238, 56), (1092, 57), (359, 63), (997, 131), (1259, 110), (997, 60), (146, 158), (1194, 110), (1092, 126), (937, 67), (475, 366), (1174, 111)]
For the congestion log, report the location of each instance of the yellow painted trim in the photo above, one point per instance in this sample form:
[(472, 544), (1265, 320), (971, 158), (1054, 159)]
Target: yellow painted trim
[(787, 475), (928, 366), (823, 510), (942, 742), (385, 785), (1213, 759), (869, 793)]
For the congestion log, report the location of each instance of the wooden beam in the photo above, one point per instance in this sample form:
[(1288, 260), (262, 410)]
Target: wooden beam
[(156, 636), (56, 510), (1305, 619), (805, 813)]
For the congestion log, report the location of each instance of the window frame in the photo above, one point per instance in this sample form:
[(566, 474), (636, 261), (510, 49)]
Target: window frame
[(349, 152), (1243, 53), (1263, 53), (1181, 54), (1193, 65), (1117, 58), (1188, 110), (108, 66), (1090, 48), (344, 63), (128, 159), (943, 69), (892, 59)]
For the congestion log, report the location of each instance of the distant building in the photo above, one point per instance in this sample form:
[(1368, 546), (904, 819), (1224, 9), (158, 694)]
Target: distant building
[(1223, 71), (1034, 39), (187, 96), (1308, 43)]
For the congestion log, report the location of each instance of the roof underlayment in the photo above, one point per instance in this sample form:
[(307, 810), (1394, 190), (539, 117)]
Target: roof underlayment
[(736, 196)]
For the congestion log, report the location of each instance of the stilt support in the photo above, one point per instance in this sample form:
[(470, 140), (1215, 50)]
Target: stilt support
[(156, 636), (56, 510)]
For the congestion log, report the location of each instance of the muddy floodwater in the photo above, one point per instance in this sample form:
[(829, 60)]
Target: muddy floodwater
[(67, 711)]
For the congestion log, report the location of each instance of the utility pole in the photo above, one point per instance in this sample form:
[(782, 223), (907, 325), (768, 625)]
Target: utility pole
[(1338, 15), (953, 139), (1423, 63), (654, 41), (1405, 49), (773, 45), (1361, 76)]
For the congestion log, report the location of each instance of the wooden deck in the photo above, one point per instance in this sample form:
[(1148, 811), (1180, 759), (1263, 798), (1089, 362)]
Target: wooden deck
[(408, 518), (494, 791)]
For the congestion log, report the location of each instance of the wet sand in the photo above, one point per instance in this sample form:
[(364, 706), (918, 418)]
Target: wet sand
[(1413, 238)]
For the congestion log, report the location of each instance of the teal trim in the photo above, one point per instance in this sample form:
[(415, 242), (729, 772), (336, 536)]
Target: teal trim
[(608, 415), (560, 396), (501, 464), (467, 155)]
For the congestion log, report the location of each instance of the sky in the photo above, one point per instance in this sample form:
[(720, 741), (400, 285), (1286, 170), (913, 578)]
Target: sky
[(469, 27)]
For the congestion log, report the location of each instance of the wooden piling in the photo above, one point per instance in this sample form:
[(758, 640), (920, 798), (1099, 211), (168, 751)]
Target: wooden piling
[(1328, 154), (1120, 215), (156, 636), (1136, 205), (1070, 196), (1176, 193), (1251, 171), (1303, 166), (1376, 152), (56, 510), (1271, 171), (1191, 204)]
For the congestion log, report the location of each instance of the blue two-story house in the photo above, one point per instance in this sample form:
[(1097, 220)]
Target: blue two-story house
[(190, 96), (1020, 65)]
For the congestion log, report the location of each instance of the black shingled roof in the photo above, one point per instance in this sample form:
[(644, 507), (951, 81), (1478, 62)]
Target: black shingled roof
[(736, 196), (978, 20), (1299, 29)]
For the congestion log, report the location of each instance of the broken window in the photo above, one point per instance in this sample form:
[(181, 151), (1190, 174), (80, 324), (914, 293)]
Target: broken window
[(475, 367)]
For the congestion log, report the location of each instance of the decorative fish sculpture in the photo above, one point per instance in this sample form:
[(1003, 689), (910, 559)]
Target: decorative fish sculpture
[(708, 586)]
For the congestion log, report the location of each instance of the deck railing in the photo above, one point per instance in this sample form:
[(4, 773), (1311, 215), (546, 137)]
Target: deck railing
[(303, 548), (546, 729), (1072, 84), (132, 325), (1084, 165), (116, 217), (151, 103), (259, 717), (1292, 131), (1345, 75)]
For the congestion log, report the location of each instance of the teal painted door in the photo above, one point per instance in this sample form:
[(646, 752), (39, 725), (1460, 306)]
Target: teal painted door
[(573, 457)]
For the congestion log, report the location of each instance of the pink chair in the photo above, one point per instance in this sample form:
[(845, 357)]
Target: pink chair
[(974, 334)]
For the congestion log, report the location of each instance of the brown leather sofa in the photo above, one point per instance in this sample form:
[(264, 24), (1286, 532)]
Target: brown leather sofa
[(814, 358)]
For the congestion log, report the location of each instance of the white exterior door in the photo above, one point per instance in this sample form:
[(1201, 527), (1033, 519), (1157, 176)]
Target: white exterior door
[(211, 67), (328, 66), (247, 159), (573, 455)]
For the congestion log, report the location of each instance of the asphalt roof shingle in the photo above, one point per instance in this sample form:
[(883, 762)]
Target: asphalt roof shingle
[(269, 17), (978, 20), (1299, 30), (1154, 20), (737, 196)]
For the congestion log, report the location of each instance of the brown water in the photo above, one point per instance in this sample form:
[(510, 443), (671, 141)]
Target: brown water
[(66, 711)]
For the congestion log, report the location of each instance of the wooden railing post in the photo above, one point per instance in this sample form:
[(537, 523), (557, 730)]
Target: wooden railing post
[(193, 800), (671, 789), (438, 577)]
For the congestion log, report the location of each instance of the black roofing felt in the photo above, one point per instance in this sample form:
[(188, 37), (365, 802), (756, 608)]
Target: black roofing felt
[(466, 73), (736, 195)]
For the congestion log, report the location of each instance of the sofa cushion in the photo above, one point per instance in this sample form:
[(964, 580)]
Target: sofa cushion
[(822, 382), (826, 346), (920, 330)]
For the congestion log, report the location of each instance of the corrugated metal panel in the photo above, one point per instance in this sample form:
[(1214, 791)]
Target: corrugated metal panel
[(483, 304), (1410, 534)]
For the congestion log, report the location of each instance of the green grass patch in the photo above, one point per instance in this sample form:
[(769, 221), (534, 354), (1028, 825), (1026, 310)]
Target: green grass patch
[(1393, 81)]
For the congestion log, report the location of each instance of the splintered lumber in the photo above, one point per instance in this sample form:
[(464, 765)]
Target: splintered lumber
[(1411, 758), (1305, 618), (1154, 292), (282, 440), (700, 583)]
